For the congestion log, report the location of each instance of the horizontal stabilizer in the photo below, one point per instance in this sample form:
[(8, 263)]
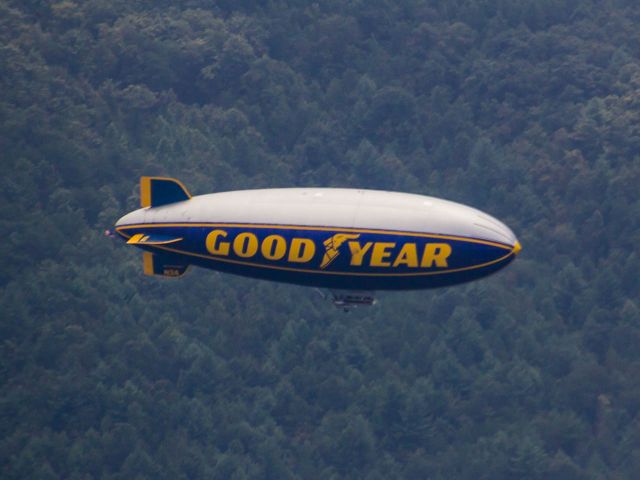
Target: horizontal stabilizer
[(152, 239), (163, 265), (157, 191)]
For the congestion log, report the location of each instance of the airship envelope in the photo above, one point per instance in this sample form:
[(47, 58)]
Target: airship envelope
[(349, 241)]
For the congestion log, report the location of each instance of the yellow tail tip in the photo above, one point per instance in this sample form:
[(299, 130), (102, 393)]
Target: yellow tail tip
[(516, 248)]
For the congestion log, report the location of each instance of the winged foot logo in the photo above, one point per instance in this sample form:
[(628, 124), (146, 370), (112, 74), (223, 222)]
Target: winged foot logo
[(246, 245), (333, 244)]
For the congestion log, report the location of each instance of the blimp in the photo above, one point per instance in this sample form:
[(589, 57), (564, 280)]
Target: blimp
[(349, 242)]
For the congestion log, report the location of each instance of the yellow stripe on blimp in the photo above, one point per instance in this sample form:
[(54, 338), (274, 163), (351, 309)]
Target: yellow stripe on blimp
[(139, 239), (319, 229)]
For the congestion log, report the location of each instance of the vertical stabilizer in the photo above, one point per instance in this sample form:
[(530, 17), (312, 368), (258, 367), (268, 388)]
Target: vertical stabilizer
[(157, 191)]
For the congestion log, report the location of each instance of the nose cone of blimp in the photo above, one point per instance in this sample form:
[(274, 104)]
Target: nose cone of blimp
[(460, 220), (489, 228)]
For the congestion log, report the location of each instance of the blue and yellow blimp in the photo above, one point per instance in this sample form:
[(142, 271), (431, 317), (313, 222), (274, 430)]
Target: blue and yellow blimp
[(346, 240)]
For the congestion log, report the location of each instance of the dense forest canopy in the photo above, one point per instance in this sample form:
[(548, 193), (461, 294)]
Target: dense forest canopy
[(527, 109)]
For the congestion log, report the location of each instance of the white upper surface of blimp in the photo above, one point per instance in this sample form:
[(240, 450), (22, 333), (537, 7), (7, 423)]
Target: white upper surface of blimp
[(331, 207)]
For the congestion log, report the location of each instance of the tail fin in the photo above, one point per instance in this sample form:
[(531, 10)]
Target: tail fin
[(163, 265), (156, 191)]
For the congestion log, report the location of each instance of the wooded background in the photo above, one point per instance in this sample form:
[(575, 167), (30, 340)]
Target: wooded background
[(526, 109)]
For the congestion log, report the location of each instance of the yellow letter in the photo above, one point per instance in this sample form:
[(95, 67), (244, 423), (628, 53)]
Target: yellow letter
[(358, 252), (436, 252), (408, 256), (380, 252), (302, 250), (245, 245), (273, 247), (222, 248)]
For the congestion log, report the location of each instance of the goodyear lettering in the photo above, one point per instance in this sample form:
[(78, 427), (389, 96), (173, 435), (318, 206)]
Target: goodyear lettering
[(279, 248), (435, 253), (302, 250), (214, 245), (274, 247), (245, 245), (408, 256), (381, 251), (358, 252)]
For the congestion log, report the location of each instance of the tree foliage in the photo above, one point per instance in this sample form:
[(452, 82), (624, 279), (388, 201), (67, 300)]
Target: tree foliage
[(527, 109)]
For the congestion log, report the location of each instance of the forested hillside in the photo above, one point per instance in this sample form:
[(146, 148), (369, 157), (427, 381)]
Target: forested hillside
[(526, 109)]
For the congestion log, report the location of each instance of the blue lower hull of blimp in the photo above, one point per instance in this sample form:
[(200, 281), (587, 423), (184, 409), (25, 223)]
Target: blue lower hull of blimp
[(320, 256)]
